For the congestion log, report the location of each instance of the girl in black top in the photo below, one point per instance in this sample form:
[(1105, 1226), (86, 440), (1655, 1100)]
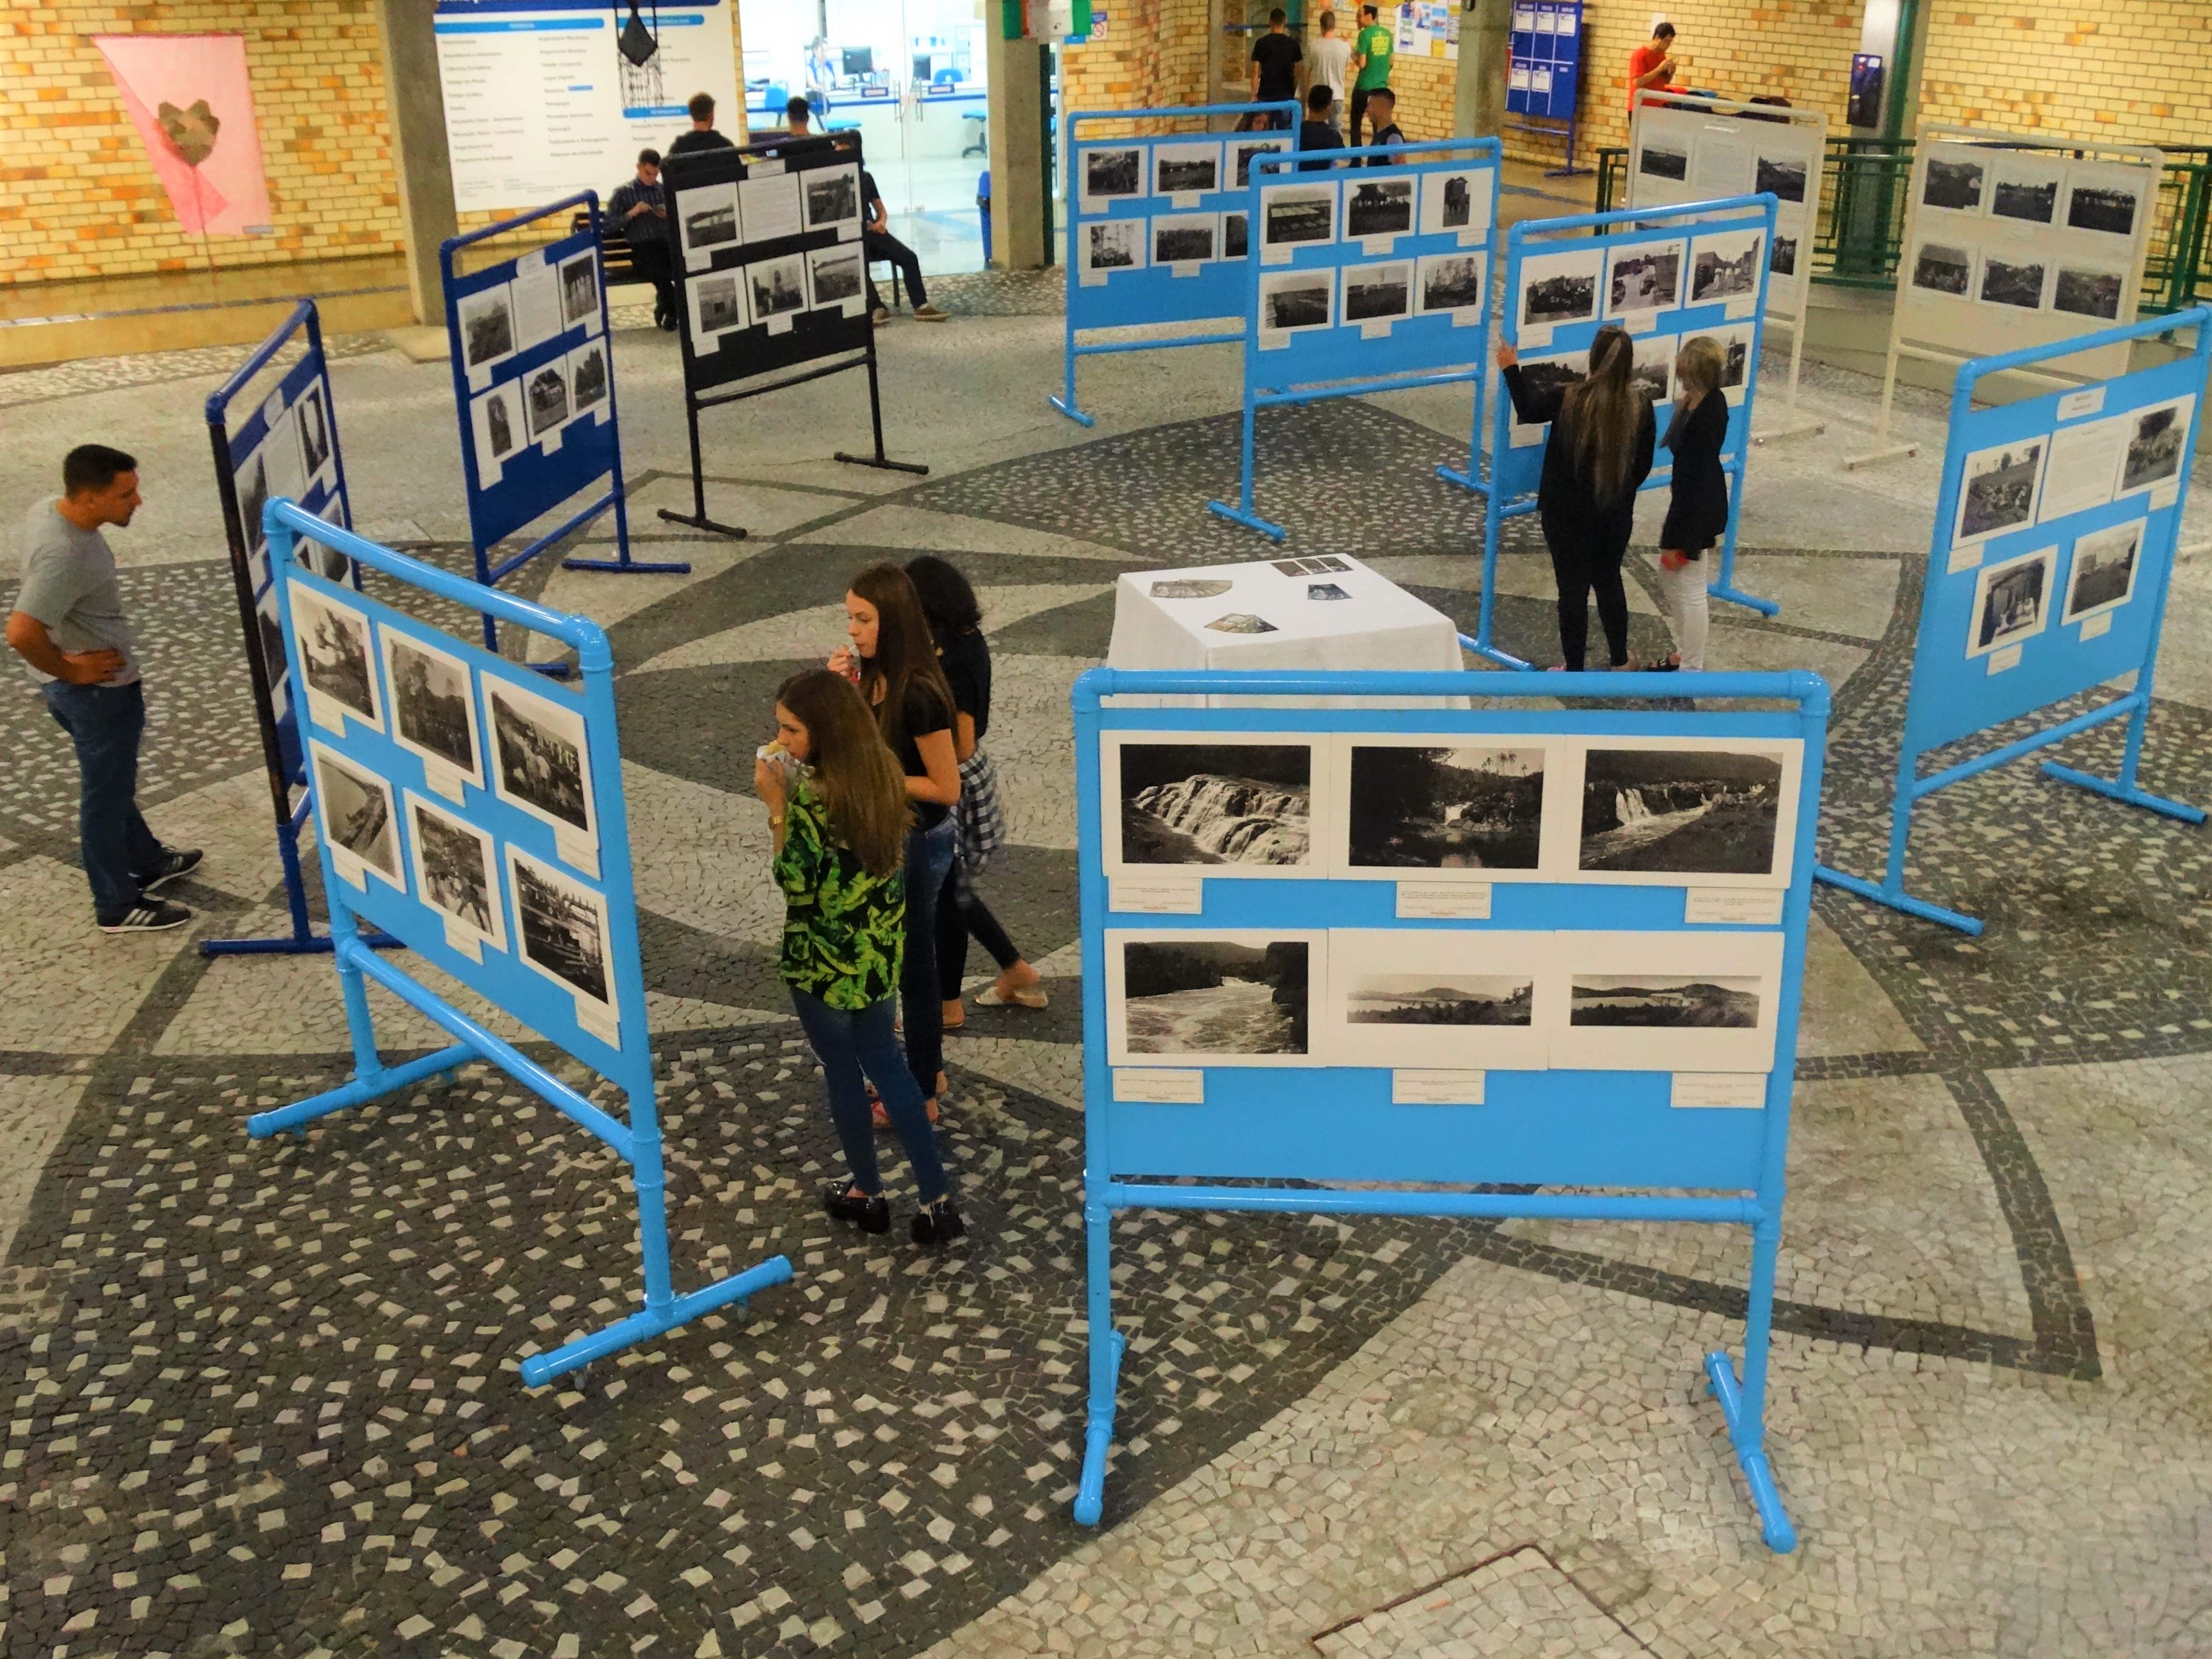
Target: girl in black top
[(1597, 457), (955, 624), (895, 661), (1698, 516)]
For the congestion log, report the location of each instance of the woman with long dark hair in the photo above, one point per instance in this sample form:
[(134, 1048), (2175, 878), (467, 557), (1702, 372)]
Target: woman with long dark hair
[(956, 623), (1596, 459), (837, 805), (895, 661)]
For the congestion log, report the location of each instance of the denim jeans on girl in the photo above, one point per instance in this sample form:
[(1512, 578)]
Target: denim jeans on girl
[(928, 861), (849, 1044)]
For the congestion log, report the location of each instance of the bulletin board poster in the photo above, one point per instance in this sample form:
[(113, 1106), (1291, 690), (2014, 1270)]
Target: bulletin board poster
[(1428, 29), (541, 103)]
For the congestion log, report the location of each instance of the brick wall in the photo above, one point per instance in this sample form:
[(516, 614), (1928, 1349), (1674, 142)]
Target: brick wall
[(1153, 57), (77, 196), (2137, 72)]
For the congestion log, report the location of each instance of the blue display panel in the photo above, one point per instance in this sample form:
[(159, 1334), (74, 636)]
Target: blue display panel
[(1506, 946), (1564, 279), (473, 811), (1547, 52), (2048, 572)]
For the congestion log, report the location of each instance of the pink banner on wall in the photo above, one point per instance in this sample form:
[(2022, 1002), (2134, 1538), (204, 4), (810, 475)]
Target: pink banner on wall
[(189, 97)]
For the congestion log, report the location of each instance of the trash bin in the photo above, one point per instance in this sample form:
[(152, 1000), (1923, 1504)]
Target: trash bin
[(983, 210)]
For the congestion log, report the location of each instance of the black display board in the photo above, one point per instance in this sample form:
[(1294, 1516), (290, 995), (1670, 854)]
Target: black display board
[(771, 275)]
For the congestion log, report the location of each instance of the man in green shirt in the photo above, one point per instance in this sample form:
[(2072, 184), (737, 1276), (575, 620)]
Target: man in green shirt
[(1370, 63)]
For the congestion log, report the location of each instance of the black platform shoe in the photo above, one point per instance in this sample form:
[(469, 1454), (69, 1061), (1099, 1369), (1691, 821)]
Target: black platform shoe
[(871, 1215), (938, 1224)]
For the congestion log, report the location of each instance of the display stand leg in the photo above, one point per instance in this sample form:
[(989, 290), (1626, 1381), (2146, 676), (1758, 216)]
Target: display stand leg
[(623, 564), (696, 517), (1743, 1403), (303, 941), (876, 417), (1890, 891), (1791, 422), (2124, 789), (1473, 479), (1725, 588), (1065, 403), (1883, 451), (1480, 644), (1106, 1347), (1243, 513)]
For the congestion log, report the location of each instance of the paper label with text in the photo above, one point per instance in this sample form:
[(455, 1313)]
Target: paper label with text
[(1159, 896), (1157, 1086), (1437, 1087), (1740, 906), (1736, 1089), (1467, 900)]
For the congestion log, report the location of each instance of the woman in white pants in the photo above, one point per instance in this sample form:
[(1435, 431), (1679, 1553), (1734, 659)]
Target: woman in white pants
[(1697, 517)]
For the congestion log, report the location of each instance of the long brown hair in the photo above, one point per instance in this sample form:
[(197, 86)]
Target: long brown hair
[(906, 653), (857, 779), (1604, 412)]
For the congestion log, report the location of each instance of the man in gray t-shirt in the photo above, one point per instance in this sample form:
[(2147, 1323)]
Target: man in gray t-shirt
[(68, 626)]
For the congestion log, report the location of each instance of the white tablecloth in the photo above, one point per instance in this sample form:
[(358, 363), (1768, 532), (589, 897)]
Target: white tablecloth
[(1377, 625)]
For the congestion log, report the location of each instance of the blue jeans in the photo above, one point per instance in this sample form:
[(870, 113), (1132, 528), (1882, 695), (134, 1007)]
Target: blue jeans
[(928, 861), (849, 1044), (104, 722)]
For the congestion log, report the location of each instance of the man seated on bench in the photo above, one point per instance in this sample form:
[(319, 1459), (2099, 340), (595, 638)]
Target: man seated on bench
[(879, 244), (639, 209)]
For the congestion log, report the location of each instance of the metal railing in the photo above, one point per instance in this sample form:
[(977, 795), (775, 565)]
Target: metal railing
[(1857, 243)]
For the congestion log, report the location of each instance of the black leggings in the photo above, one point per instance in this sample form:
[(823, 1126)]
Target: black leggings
[(1578, 568), (956, 920)]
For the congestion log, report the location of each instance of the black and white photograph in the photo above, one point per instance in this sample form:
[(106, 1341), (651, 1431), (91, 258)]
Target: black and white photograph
[(1667, 1001), (561, 926), (1998, 489), (1241, 621), (1111, 244), (2103, 577), (456, 872), (354, 809), (1726, 266), (1734, 341), (497, 417), (1190, 588), (1378, 207), (487, 326), (253, 487), (2154, 453), (1241, 150), (1379, 293), (1183, 169), (1237, 805), (1784, 175), (1451, 807), (2024, 188), (709, 217), (1944, 268), (2013, 280), (2083, 292), (1653, 365), (832, 197), (1448, 201), (1451, 282), (1954, 183), (314, 427), (834, 277), (1438, 997), (1236, 235), (718, 307), (1560, 288), (1644, 276), (541, 758), (334, 653), (1325, 591), (545, 398), (2012, 601), (1293, 300), (1222, 999), (2104, 198), (1290, 215), (1687, 811), (1182, 238), (587, 377), (1441, 999), (1111, 174), (1319, 564), (434, 710), (1544, 377), (1783, 261), (580, 290), (274, 662), (776, 287), (1664, 159)]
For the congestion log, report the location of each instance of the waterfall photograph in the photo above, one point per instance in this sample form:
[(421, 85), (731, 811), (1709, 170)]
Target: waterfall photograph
[(1217, 803), (1224, 998), (1688, 812), (1467, 808)]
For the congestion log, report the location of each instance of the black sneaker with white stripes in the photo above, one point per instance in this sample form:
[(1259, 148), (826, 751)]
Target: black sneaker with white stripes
[(151, 916), (176, 864)]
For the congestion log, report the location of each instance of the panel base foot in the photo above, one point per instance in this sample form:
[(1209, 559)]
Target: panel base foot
[(882, 463), (647, 1323), (1066, 406), (1749, 1440), (1091, 1490), (1898, 899), (1250, 520), (2124, 793), (630, 566), (1748, 601), (1875, 456), (700, 522)]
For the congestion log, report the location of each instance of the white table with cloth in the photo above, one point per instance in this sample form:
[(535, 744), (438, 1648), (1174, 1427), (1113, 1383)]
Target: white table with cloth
[(1321, 611)]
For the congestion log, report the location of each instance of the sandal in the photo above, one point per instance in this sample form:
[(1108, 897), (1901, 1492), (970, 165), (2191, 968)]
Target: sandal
[(1667, 666), (882, 1119)]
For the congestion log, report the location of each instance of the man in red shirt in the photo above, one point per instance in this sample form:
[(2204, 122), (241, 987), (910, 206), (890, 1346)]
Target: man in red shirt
[(1652, 65)]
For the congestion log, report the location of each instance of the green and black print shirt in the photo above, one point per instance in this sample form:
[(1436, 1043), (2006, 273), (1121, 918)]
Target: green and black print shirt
[(843, 929)]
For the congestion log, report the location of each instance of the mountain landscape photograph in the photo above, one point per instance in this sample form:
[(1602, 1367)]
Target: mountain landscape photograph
[(1441, 999), (1677, 1001), (1243, 803)]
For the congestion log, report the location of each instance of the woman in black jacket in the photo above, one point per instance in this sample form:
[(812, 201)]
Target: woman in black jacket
[(1596, 459), (1697, 517)]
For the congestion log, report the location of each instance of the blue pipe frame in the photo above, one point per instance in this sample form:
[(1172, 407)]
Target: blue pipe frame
[(2133, 705), (638, 1141), (1064, 400), (1740, 1391), (617, 496)]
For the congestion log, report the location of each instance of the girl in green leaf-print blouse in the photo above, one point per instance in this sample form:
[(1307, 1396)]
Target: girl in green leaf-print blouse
[(840, 826)]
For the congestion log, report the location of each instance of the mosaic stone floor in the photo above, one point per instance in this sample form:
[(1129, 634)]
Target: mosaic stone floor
[(263, 1395)]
